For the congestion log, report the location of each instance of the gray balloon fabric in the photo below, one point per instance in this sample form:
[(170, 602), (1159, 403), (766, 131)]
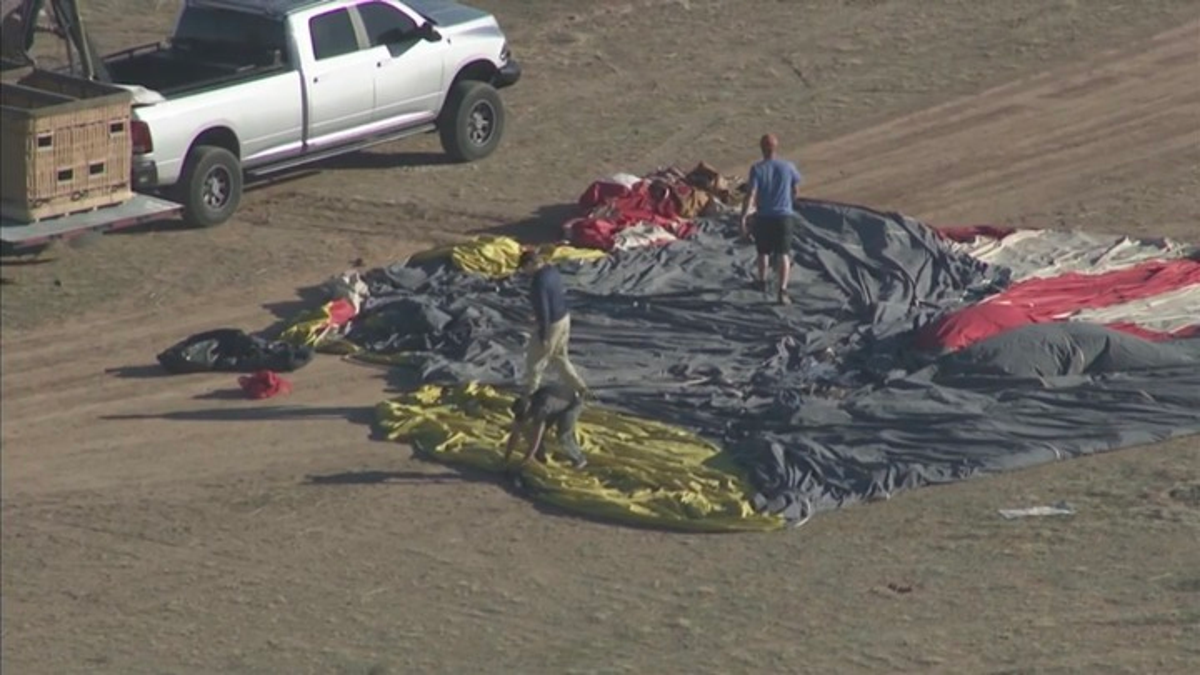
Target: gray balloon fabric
[(1066, 348), (821, 400)]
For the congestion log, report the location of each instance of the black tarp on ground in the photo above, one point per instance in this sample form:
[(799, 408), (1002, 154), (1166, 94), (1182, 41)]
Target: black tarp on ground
[(231, 350), (818, 399)]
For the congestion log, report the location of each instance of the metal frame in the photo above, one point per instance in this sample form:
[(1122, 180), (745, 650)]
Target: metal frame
[(141, 208)]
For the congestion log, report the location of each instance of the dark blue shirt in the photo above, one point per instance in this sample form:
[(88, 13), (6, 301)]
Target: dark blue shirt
[(549, 298)]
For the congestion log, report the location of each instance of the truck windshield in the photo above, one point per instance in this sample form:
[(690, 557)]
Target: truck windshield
[(214, 31)]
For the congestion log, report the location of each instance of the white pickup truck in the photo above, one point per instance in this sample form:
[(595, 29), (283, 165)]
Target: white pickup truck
[(250, 87)]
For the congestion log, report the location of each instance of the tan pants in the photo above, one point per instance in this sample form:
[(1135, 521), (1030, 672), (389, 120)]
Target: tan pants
[(553, 351)]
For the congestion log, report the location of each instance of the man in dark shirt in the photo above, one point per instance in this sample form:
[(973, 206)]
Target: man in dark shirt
[(548, 345), (552, 405)]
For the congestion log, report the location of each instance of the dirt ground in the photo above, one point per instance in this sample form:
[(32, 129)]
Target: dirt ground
[(163, 525)]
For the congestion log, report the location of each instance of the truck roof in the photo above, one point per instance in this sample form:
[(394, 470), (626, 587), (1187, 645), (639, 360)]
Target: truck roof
[(275, 8), (437, 12)]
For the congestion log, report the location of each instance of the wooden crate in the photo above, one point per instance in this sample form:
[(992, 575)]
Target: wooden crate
[(65, 146)]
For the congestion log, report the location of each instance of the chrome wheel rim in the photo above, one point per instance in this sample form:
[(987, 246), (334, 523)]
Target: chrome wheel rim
[(481, 123), (216, 188)]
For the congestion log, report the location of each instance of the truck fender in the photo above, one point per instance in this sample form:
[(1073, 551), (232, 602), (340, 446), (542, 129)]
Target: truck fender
[(481, 70), (220, 136)]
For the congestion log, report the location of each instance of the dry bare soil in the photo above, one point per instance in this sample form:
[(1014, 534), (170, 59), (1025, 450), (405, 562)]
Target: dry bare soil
[(161, 525)]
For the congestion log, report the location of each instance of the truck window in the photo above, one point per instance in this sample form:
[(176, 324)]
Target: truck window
[(213, 32), (332, 34), (385, 24)]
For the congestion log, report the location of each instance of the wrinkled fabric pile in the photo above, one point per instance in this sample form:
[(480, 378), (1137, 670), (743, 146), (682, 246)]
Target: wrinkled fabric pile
[(875, 380), (1147, 288), (485, 256), (624, 211), (640, 471)]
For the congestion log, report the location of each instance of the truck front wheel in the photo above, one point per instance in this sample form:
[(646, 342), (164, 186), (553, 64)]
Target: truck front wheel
[(472, 121), (210, 187)]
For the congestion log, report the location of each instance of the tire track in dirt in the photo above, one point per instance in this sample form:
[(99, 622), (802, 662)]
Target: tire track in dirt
[(112, 429), (1044, 139)]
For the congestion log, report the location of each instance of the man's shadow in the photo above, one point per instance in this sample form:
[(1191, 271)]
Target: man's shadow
[(359, 416)]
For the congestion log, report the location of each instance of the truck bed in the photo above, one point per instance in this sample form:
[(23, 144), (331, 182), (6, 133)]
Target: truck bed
[(172, 71)]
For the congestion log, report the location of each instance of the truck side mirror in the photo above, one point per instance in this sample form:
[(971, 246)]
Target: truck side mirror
[(427, 32)]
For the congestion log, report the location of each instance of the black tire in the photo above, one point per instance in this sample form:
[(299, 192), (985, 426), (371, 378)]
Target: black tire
[(210, 187), (472, 122)]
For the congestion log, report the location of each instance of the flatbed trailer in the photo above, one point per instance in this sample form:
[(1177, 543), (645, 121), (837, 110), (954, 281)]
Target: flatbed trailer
[(141, 208)]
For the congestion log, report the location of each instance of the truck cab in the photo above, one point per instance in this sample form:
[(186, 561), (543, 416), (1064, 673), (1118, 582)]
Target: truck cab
[(251, 87)]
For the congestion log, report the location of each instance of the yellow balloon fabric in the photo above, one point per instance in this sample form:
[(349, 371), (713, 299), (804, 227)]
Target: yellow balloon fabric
[(497, 257), (311, 328), (639, 471)]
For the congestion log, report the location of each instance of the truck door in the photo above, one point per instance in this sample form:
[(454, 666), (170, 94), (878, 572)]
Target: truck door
[(408, 69), (340, 81)]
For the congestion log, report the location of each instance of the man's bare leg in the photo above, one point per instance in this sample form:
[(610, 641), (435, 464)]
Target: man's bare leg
[(762, 272), (514, 435), (535, 448), (785, 274)]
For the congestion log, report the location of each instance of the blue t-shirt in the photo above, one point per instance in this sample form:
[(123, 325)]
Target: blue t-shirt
[(776, 181)]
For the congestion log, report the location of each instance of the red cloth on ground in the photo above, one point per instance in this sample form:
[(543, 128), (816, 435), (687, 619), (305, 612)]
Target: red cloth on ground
[(264, 384), (600, 233), (341, 311), (645, 201), (1054, 299), (592, 233), (970, 325), (967, 233), (600, 192), (614, 210)]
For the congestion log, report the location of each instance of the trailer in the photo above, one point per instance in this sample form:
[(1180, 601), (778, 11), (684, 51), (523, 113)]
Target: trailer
[(19, 236)]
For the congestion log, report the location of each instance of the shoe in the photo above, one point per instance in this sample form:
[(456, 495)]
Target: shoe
[(760, 286), (579, 464), (785, 299)]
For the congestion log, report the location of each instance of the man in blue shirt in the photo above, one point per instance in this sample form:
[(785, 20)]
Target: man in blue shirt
[(773, 186), (548, 345)]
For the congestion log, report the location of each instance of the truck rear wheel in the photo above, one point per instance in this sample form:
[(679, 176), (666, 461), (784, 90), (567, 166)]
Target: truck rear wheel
[(472, 121), (210, 187)]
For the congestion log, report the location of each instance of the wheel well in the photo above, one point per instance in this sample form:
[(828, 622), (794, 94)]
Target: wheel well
[(222, 137), (480, 71)]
